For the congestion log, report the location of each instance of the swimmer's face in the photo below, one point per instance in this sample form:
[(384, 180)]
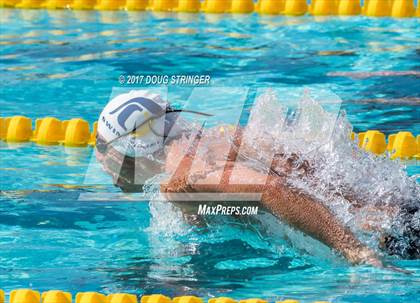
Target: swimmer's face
[(129, 173)]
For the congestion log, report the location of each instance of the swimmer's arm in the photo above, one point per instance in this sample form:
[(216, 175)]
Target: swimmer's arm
[(314, 219), (298, 210)]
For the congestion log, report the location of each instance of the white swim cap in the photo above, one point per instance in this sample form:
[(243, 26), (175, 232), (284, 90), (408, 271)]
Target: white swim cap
[(127, 112)]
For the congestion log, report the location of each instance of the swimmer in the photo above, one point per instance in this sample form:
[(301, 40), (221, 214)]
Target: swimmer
[(140, 135)]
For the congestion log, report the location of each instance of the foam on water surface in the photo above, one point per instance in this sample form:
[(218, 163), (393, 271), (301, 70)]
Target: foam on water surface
[(363, 190)]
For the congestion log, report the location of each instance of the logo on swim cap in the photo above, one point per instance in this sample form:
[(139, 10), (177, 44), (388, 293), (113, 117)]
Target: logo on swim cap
[(126, 112), (137, 104)]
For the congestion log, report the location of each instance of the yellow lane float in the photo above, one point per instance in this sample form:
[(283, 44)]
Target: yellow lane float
[(76, 133), (4, 124), (135, 5), (348, 8), (30, 4), (222, 300), (374, 141), (242, 6), (322, 7), (189, 6), (57, 4), (56, 296), (373, 8), (84, 4), (90, 297), (163, 5), (113, 4), (270, 7), (360, 139), (377, 8), (295, 7), (9, 3), (402, 8), (404, 146), (19, 129), (122, 298), (155, 299), (217, 6), (92, 139), (48, 131), (24, 296)]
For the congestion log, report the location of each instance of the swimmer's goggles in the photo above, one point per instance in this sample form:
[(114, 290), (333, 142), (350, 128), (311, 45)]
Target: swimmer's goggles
[(102, 145)]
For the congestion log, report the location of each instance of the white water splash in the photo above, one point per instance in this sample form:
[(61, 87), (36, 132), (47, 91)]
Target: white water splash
[(360, 188)]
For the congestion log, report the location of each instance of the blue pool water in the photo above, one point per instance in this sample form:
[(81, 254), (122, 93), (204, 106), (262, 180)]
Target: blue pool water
[(66, 64)]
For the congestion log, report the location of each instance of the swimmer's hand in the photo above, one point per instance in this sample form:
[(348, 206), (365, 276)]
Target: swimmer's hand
[(365, 255), (374, 260), (399, 269), (379, 264)]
